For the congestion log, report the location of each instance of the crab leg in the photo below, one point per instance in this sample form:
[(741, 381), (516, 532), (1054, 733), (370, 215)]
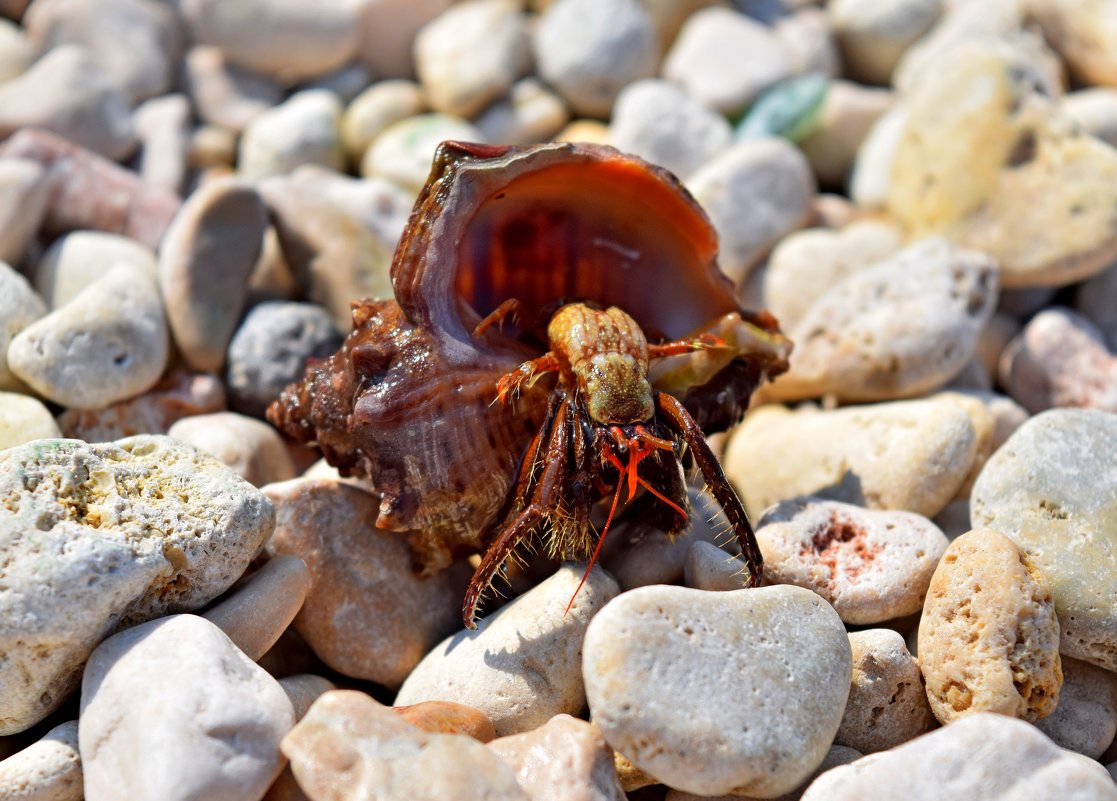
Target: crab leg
[(679, 418)]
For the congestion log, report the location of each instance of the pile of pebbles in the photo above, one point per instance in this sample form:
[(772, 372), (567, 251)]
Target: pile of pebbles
[(924, 192)]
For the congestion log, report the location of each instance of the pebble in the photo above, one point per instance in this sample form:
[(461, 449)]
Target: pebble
[(1050, 488), (708, 567), (757, 734), (270, 349), (205, 261), (1085, 721), (1084, 34), (756, 192), (837, 755), (90, 192), (990, 430), (250, 447), (337, 234), (659, 122), (873, 35), (808, 39), (1025, 188), (906, 455), (224, 94), (593, 131), (942, 764), (23, 200), (1095, 111), (589, 50), (66, 92), (520, 665), (261, 607), (101, 536), (706, 59), (16, 52), (376, 108), (304, 129), (367, 614), (144, 68), (304, 689), (887, 703), (871, 178), (848, 113), (207, 724), (530, 113), (349, 747), (107, 344), (289, 41), (387, 30), (1060, 359), (20, 306), (446, 717), (898, 329), (78, 259), (471, 54), (1092, 299), (164, 127), (790, 109), (24, 419), (47, 770), (806, 264), (178, 395), (565, 759), (870, 565), (988, 638), (345, 82), (403, 151)]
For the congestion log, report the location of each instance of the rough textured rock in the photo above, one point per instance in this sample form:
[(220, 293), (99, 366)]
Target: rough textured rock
[(207, 725), (757, 734), (1050, 488), (349, 747), (870, 565), (520, 665), (100, 537), (47, 770), (1085, 721), (988, 637)]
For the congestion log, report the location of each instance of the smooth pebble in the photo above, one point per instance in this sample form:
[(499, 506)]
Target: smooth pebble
[(24, 189), (1085, 721), (224, 94), (251, 448), (374, 109), (24, 419), (387, 31), (447, 717), (77, 259), (873, 34), (20, 306), (304, 129), (530, 113), (403, 151), (47, 770)]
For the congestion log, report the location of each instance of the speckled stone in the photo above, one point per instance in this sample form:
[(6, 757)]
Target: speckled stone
[(731, 739), (367, 614), (107, 344), (47, 770), (270, 348), (1085, 721), (887, 704), (988, 638), (252, 448), (349, 747), (908, 455), (520, 665), (304, 129), (207, 724), (871, 565), (1050, 488), (205, 260), (20, 306), (153, 525)]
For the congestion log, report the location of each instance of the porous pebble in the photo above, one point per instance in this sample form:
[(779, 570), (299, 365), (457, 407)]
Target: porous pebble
[(1050, 488), (658, 121), (24, 419), (270, 348), (349, 747), (471, 55), (20, 306), (1060, 359), (706, 59), (988, 637), (1085, 721), (756, 734), (887, 704), (1016, 762), (103, 536), (252, 448), (520, 665), (899, 329), (304, 129), (47, 770), (208, 724), (907, 455), (23, 201), (756, 192), (403, 151), (107, 344), (367, 614), (871, 565), (565, 759), (589, 50)]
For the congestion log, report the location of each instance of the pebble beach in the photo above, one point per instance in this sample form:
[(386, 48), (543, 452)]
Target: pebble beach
[(193, 608)]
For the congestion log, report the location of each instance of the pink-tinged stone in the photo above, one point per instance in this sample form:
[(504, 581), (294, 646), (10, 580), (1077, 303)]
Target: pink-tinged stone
[(447, 717)]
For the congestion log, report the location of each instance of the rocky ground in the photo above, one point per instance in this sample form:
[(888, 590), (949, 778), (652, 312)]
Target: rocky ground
[(924, 192)]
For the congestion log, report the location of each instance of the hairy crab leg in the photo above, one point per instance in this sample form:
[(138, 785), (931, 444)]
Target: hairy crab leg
[(544, 498), (509, 308), (526, 373), (679, 418)]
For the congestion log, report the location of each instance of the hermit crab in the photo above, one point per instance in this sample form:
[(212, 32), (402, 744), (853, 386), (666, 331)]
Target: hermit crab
[(560, 332)]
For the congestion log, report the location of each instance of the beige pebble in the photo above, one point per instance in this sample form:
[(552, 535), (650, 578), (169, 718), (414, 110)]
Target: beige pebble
[(23, 419), (848, 113), (708, 567), (251, 447), (989, 638), (837, 755), (77, 259), (374, 109), (47, 770), (19, 307), (447, 717)]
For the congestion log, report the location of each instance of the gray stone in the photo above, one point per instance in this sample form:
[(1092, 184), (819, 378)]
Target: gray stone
[(1085, 721), (304, 129), (1094, 299), (387, 30), (708, 567), (531, 113), (100, 537)]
